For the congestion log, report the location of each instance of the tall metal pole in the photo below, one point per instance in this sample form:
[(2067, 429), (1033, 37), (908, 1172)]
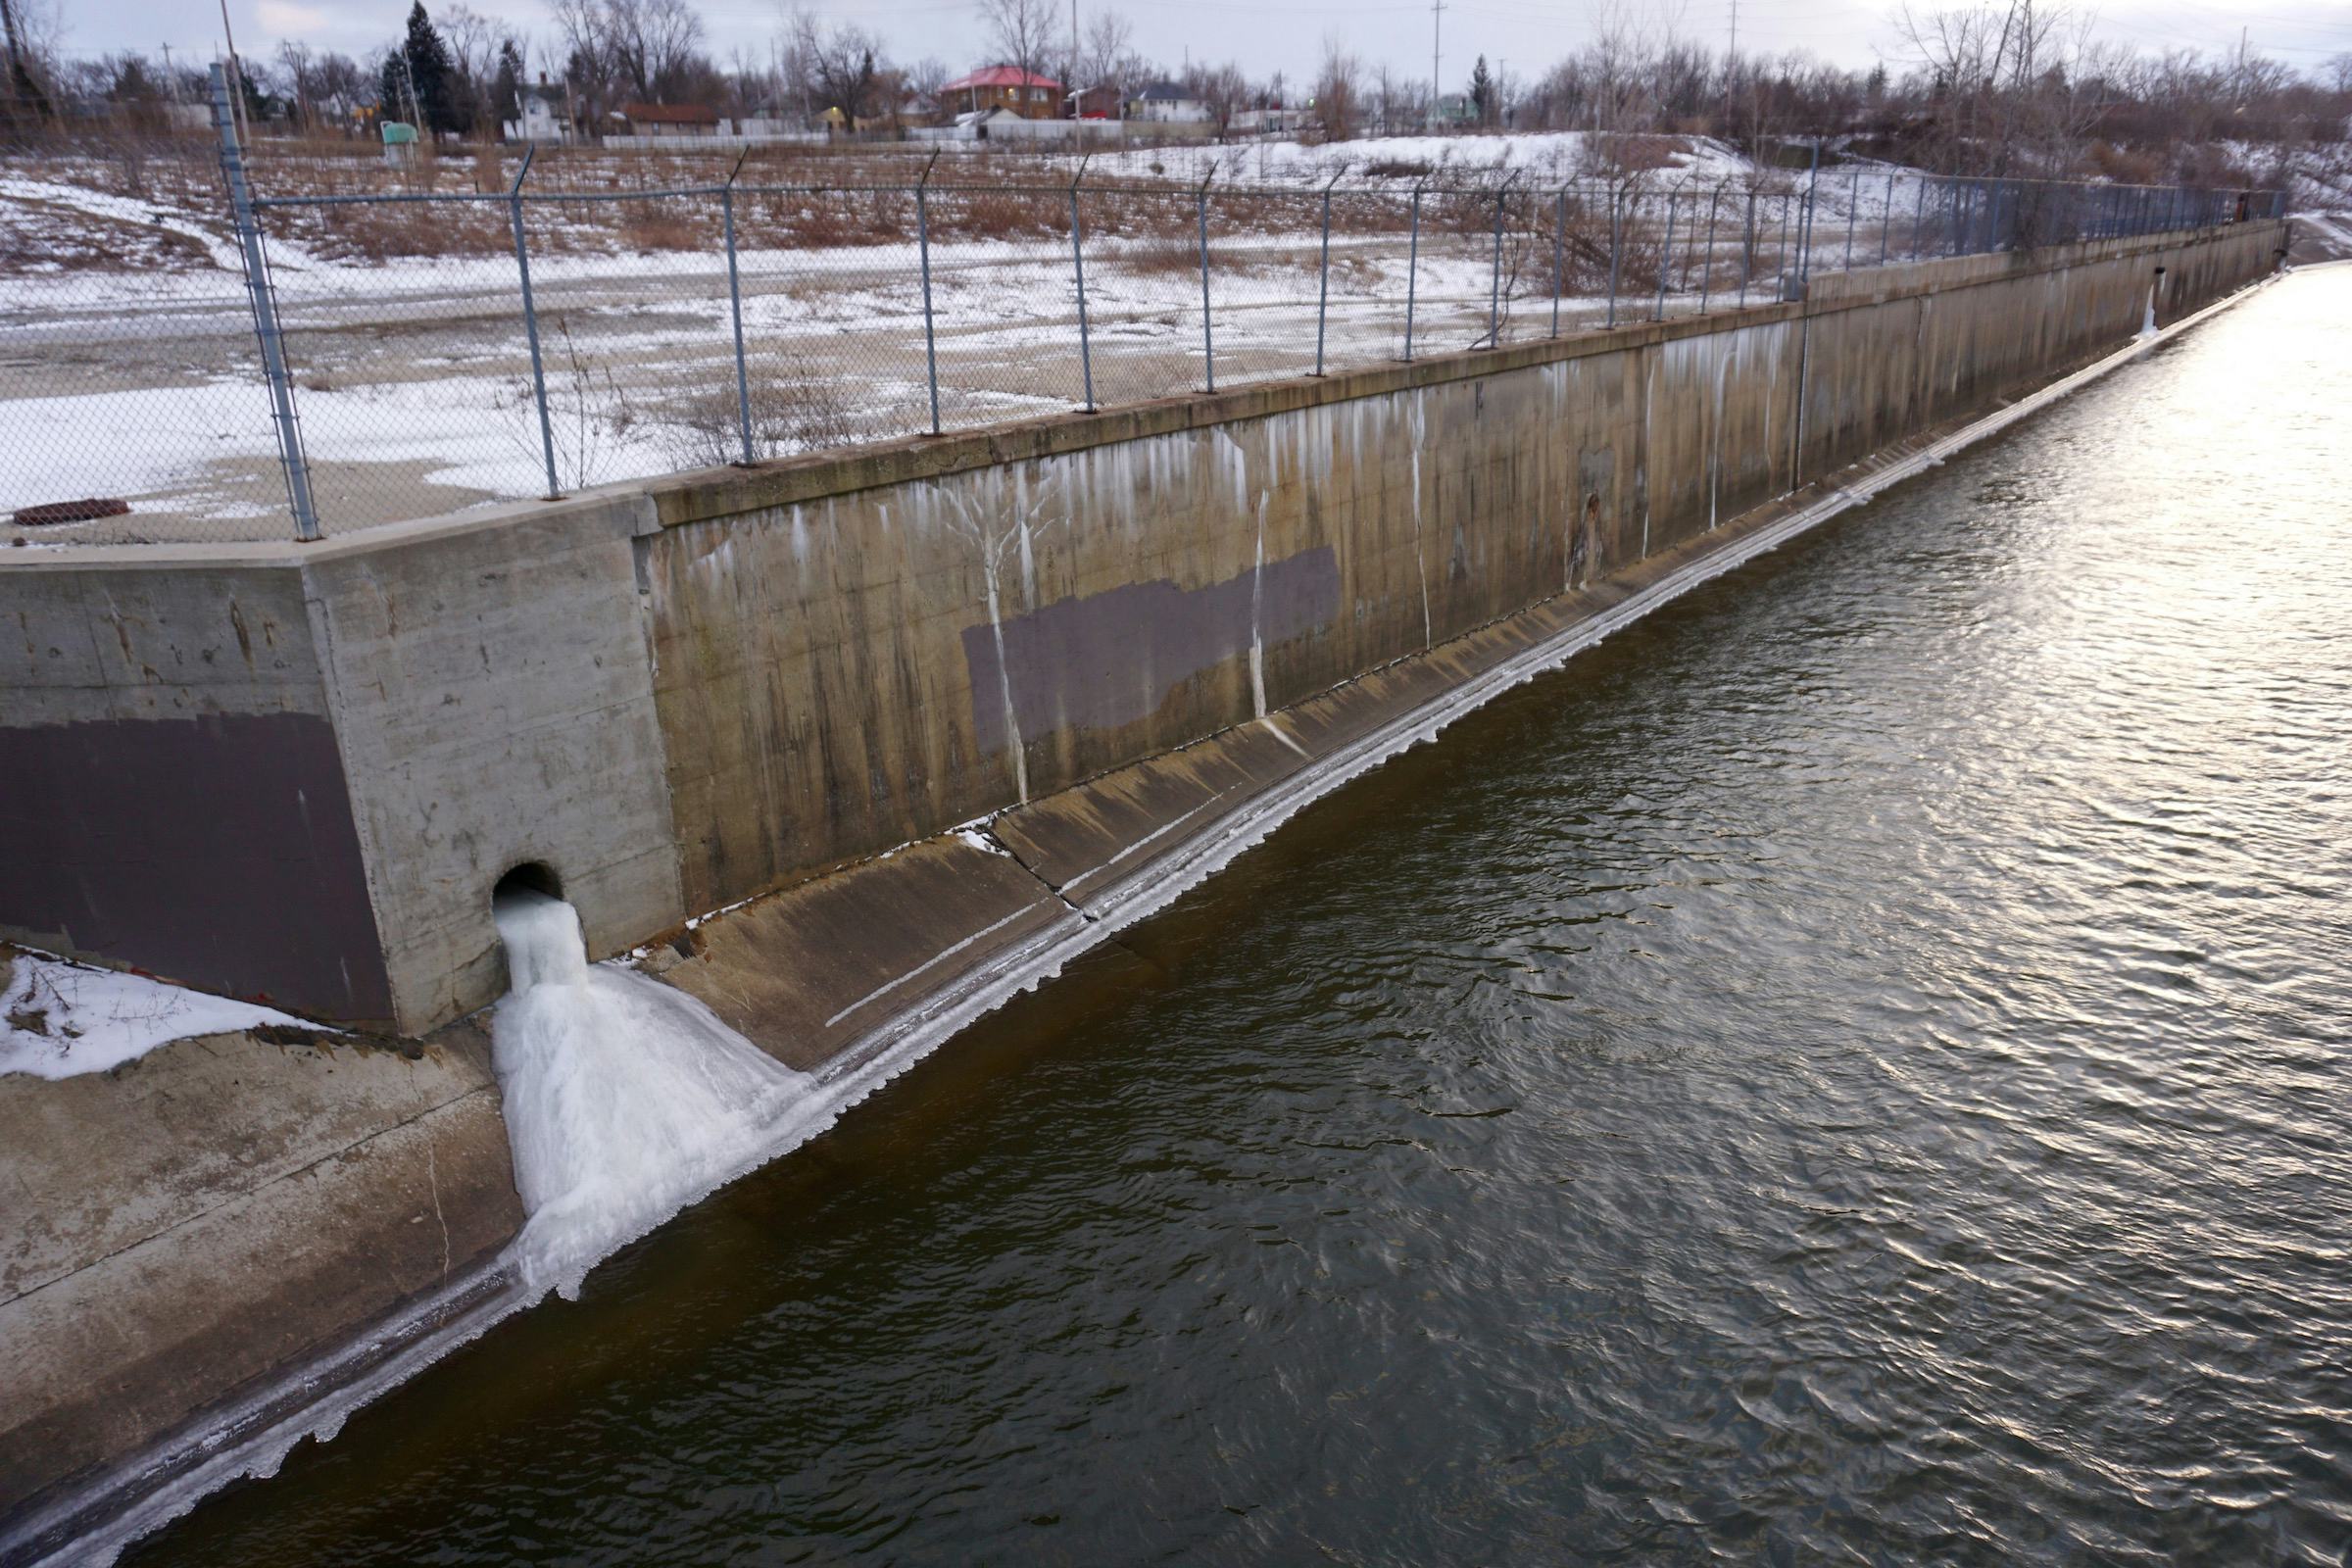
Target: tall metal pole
[(1804, 225), (1747, 247), (1208, 347), (1495, 284), (922, 241), (531, 324), (1616, 248), (1559, 243), (1086, 348), (1323, 285), (1779, 260), (1666, 257), (1706, 266), (743, 377), (1853, 210), (1887, 219), (265, 312), (1413, 271), (1919, 212)]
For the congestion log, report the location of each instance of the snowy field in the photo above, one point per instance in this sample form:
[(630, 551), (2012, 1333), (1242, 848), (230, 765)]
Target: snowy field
[(129, 367)]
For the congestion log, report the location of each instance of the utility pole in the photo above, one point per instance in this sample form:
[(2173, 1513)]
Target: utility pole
[(171, 82), (1731, 67), (1437, 21)]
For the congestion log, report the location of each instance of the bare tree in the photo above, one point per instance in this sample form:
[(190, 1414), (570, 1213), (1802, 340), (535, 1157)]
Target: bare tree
[(30, 28), (1339, 90), (1222, 89), (1102, 54), (1024, 32), (841, 62), (651, 48)]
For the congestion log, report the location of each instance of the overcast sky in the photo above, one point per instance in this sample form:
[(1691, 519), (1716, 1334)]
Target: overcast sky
[(1264, 35)]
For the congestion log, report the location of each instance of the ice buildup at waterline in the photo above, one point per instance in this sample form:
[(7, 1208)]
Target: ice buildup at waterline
[(626, 1099)]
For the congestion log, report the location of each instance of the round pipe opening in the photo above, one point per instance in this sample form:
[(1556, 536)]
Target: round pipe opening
[(531, 876)]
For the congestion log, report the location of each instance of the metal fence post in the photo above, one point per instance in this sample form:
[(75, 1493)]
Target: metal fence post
[(1616, 246), (922, 243), (531, 324), (264, 300), (1853, 210), (1666, 257), (1208, 345), (1887, 219), (1086, 348), (1323, 285), (1560, 245), (1805, 224), (1706, 266), (743, 377), (1918, 213), (1780, 260), (1747, 247), (1495, 281), (1412, 271)]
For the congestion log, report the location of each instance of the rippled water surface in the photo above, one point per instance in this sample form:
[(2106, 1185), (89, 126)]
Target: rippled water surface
[(1855, 1069)]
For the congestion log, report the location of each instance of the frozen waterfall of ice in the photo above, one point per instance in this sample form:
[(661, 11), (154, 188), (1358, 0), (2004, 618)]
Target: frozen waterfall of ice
[(626, 1098)]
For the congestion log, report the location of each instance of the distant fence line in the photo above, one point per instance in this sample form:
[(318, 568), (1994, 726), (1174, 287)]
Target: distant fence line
[(783, 318)]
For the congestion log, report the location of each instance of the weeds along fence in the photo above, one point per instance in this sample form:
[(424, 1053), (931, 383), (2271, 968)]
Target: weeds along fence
[(350, 358)]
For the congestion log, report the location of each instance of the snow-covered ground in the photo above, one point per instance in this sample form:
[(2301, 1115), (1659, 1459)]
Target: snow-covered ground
[(129, 366), (59, 1020), (1550, 157)]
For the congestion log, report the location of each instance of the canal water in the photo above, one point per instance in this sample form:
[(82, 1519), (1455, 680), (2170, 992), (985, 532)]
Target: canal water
[(1858, 1068)]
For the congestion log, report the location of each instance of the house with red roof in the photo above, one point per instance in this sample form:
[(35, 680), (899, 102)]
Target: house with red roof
[(1024, 93)]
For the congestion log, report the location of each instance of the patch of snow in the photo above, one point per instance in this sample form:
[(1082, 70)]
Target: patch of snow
[(59, 1020)]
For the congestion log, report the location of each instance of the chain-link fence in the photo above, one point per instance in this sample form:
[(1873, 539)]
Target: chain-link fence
[(407, 353)]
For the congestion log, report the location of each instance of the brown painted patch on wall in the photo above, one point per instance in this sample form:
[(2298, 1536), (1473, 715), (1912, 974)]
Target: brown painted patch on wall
[(1110, 658), (218, 851)]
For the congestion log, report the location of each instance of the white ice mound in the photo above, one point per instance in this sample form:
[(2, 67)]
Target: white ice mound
[(626, 1098)]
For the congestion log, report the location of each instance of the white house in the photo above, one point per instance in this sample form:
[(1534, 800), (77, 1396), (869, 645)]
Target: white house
[(1169, 103), (544, 114)]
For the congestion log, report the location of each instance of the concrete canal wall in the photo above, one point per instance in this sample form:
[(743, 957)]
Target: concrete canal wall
[(294, 772)]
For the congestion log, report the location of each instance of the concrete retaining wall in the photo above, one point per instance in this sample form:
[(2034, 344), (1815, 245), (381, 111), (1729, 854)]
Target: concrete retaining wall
[(311, 762), (296, 771)]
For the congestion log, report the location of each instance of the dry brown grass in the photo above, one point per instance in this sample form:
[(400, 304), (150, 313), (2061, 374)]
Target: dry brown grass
[(396, 230), (666, 226)]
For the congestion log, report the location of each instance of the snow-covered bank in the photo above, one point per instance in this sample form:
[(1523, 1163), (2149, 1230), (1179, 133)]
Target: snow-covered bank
[(59, 1020)]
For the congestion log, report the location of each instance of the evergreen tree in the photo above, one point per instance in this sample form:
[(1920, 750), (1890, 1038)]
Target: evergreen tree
[(505, 90), (1482, 91), (392, 87), (431, 76)]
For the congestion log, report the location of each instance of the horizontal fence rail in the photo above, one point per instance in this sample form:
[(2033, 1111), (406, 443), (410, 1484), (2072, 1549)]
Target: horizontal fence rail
[(402, 354)]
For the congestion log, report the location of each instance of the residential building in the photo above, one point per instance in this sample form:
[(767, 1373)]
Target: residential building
[(1024, 93), (1095, 103), (1169, 101), (543, 113), (671, 120)]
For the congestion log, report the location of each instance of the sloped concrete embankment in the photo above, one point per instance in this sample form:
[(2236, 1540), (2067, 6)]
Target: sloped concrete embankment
[(930, 718)]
